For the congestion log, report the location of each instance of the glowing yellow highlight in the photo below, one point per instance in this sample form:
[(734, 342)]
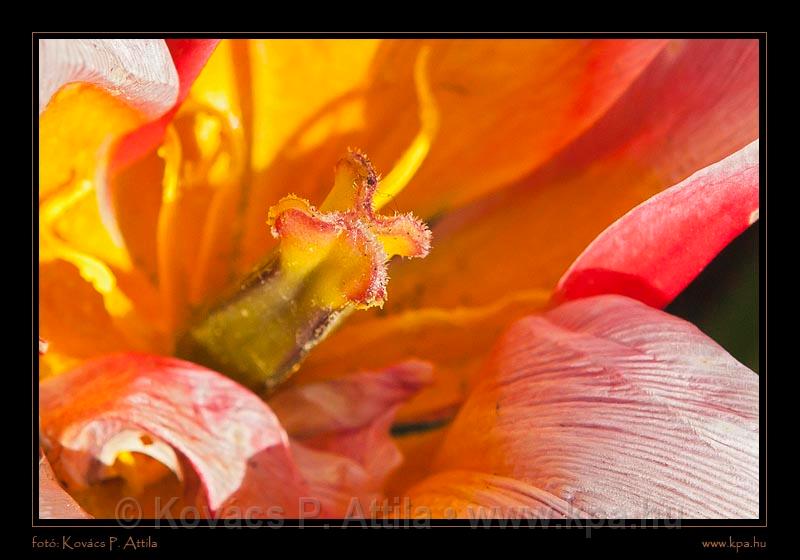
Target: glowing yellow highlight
[(172, 294), (415, 154), (92, 269)]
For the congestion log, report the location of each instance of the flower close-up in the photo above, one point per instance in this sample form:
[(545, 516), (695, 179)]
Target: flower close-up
[(395, 278)]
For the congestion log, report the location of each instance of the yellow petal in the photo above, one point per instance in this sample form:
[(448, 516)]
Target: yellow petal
[(77, 123), (76, 129)]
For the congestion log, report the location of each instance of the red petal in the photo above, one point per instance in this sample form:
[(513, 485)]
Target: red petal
[(603, 407), (54, 501), (189, 57), (229, 437), (340, 432), (655, 250)]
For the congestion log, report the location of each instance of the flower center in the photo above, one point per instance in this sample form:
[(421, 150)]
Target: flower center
[(329, 262)]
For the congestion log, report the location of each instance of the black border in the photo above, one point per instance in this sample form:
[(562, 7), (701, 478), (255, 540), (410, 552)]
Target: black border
[(707, 528)]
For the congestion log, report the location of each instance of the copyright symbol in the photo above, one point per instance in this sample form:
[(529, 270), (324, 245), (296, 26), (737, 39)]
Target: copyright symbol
[(128, 512)]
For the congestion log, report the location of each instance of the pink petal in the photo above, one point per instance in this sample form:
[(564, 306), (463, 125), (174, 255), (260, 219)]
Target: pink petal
[(54, 501), (340, 433), (349, 402), (654, 251), (347, 471), (603, 407), (139, 71), (228, 436), (694, 105)]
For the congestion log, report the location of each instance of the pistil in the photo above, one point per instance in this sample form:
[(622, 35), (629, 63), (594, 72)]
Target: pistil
[(328, 262)]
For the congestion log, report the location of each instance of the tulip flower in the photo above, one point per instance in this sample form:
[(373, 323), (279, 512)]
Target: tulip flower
[(241, 317)]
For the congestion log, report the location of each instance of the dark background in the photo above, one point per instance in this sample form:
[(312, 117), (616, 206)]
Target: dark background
[(723, 301)]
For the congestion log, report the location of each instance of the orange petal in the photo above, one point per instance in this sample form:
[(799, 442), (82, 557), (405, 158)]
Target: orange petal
[(71, 229), (215, 133), (73, 318), (603, 407), (674, 120), (455, 340), (419, 450), (482, 106), (138, 190), (168, 197), (505, 108)]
